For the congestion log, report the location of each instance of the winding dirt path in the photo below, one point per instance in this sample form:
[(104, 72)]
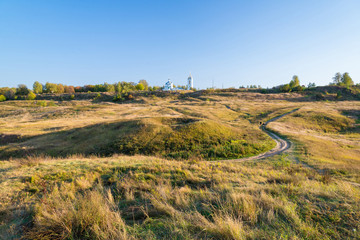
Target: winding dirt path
[(281, 144)]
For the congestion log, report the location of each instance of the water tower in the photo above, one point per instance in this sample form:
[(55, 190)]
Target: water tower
[(190, 82)]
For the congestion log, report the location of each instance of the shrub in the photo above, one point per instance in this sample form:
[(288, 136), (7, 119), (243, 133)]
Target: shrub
[(41, 103), (298, 89), (118, 97), (285, 88), (338, 95), (140, 87), (31, 96), (72, 97), (97, 97), (2, 98)]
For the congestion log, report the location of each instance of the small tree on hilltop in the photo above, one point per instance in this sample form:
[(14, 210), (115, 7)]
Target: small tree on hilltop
[(294, 82), (347, 80), (343, 80), (337, 78), (37, 87)]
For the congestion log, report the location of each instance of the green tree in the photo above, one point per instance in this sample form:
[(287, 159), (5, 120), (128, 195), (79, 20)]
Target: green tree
[(51, 87), (337, 78), (294, 82), (2, 98), (347, 80), (139, 87), (22, 90), (37, 87)]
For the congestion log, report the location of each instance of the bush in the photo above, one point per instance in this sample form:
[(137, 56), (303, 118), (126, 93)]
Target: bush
[(140, 87), (72, 97), (118, 97), (41, 103), (298, 89), (97, 97), (2, 98), (31, 96), (285, 88)]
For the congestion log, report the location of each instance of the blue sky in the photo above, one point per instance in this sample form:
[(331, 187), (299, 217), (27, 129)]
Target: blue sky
[(232, 43)]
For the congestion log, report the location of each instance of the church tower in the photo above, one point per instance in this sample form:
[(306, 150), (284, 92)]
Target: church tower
[(190, 81)]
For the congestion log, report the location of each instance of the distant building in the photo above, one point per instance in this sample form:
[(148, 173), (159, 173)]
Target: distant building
[(190, 83), (169, 86)]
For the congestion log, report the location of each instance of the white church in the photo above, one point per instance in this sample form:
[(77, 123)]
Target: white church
[(169, 86)]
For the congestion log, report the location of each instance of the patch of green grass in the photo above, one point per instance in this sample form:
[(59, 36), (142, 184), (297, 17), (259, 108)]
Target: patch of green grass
[(188, 138)]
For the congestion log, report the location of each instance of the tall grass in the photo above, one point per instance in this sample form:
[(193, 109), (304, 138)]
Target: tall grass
[(65, 214)]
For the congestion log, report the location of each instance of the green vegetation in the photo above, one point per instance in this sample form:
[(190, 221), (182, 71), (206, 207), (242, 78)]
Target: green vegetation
[(2, 98), (186, 138), (37, 87), (31, 96), (343, 80), (179, 138), (293, 86)]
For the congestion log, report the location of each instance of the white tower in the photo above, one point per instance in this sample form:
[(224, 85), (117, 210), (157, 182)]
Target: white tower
[(190, 82)]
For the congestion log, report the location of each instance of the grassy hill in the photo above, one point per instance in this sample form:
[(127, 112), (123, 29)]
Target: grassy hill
[(80, 169)]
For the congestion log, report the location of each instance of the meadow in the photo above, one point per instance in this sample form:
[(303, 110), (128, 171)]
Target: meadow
[(147, 169)]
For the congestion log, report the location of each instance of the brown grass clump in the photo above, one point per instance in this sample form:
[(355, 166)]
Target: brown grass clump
[(65, 215)]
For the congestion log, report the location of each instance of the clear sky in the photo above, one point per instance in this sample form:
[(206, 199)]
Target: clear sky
[(232, 43)]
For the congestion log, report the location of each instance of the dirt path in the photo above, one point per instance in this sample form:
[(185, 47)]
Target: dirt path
[(281, 144)]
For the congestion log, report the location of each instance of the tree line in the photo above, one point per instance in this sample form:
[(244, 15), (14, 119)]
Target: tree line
[(121, 89), (343, 80)]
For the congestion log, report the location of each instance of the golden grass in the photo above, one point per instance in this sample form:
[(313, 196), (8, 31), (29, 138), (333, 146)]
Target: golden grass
[(139, 197), (305, 194)]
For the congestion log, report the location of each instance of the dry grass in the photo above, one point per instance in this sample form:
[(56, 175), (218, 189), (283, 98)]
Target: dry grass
[(149, 198), (64, 214), (325, 137), (302, 195)]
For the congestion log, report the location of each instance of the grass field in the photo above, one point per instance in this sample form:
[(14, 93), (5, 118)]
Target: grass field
[(144, 169)]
